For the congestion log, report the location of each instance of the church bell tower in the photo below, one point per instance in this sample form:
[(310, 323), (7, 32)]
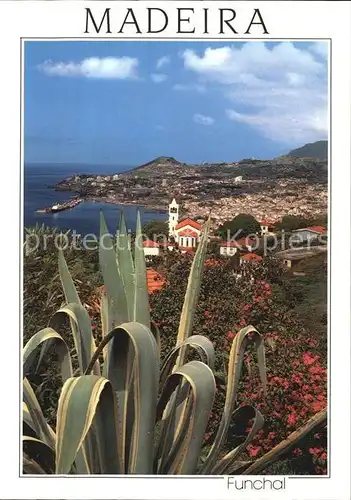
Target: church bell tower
[(173, 217)]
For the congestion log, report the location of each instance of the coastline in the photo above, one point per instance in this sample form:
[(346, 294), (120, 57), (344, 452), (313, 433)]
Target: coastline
[(111, 201)]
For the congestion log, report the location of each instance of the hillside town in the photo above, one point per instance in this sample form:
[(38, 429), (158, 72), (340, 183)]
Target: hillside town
[(284, 197), (265, 189)]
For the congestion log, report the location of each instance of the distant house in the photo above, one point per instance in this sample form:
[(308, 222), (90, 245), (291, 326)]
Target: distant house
[(238, 179), (312, 233), (151, 248), (229, 248), (267, 227), (155, 280), (293, 256)]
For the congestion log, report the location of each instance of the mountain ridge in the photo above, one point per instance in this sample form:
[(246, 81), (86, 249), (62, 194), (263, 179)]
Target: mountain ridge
[(314, 150), (318, 150)]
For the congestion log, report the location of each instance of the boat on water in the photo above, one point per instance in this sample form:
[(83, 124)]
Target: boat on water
[(59, 207)]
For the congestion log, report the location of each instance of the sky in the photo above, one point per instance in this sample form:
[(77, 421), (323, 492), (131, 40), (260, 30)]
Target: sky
[(125, 103)]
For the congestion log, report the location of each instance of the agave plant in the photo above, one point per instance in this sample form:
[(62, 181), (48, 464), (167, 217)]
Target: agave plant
[(124, 412)]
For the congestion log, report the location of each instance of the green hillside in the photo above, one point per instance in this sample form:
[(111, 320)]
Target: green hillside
[(317, 149)]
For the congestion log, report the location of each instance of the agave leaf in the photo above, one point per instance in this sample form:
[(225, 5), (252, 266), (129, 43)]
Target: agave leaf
[(29, 427), (133, 370), (30, 466), (156, 333), (239, 467), (278, 452), (187, 317), (69, 289), (243, 415), (117, 302), (126, 265), (190, 431), (141, 295), (82, 399), (35, 448), (236, 358), (37, 420), (201, 344), (82, 333), (192, 292), (169, 441), (70, 293), (37, 341), (106, 323)]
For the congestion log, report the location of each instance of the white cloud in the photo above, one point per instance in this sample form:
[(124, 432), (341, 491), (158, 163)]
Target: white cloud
[(163, 61), (202, 119), (189, 87), (94, 67), (320, 48), (279, 90), (158, 77)]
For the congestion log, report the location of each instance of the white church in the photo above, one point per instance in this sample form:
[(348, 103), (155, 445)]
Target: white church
[(185, 233)]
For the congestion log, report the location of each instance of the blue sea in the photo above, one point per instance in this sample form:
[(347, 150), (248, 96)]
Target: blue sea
[(84, 218)]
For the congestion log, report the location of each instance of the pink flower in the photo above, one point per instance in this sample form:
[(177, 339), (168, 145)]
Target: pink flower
[(253, 450), (292, 419), (307, 358)]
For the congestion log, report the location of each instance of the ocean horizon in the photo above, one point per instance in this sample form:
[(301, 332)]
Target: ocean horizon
[(84, 218)]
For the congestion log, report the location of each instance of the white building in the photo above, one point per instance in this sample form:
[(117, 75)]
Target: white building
[(151, 248), (308, 234), (187, 232), (238, 179), (228, 249), (267, 227)]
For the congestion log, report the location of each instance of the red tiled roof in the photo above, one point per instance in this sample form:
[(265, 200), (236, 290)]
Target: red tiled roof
[(314, 229), (251, 257), (188, 232), (267, 223), (150, 244), (228, 244), (155, 280), (187, 249), (188, 222)]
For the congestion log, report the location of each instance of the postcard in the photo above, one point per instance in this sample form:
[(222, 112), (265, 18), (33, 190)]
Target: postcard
[(176, 208)]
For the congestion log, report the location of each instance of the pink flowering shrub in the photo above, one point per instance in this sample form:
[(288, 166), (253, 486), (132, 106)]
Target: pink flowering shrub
[(296, 368)]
